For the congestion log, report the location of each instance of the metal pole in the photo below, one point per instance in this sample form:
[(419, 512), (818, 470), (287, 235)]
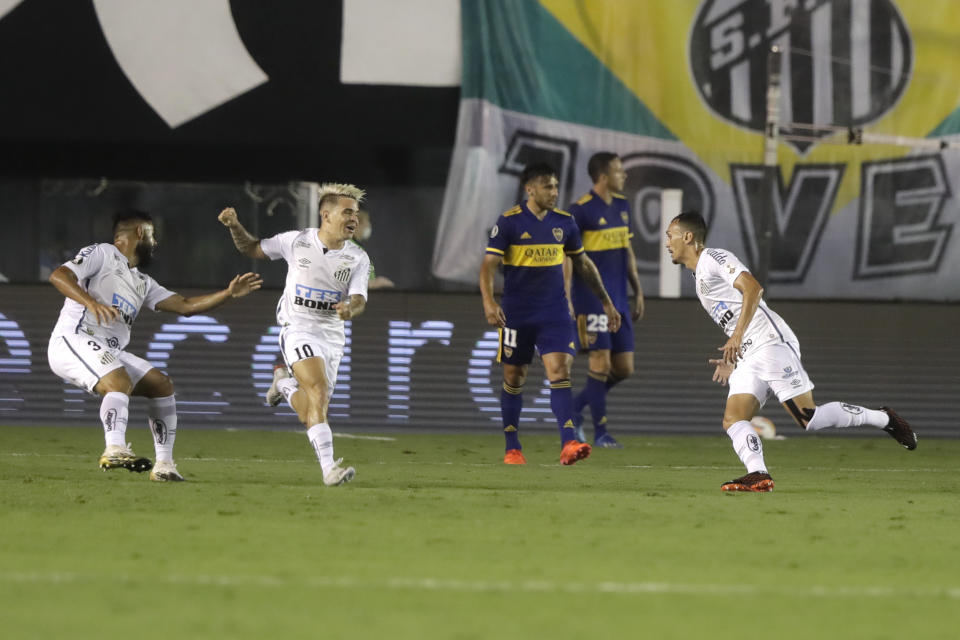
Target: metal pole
[(771, 138)]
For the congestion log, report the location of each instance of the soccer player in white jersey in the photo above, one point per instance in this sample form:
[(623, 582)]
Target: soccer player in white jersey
[(760, 355), (327, 279), (105, 291)]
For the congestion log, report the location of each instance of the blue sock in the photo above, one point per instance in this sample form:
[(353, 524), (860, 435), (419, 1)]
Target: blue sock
[(511, 402), (561, 401), (596, 392), (580, 401)]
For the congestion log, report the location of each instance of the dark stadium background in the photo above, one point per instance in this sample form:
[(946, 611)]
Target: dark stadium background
[(78, 141)]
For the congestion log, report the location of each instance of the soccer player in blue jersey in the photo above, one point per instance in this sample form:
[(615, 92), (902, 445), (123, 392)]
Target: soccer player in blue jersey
[(603, 216), (530, 240)]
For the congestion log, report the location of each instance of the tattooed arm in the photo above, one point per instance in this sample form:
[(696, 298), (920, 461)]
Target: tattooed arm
[(588, 272)]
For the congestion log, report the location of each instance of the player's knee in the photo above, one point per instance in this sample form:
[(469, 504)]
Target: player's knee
[(515, 380), (622, 371), (114, 384), (164, 387), (730, 419)]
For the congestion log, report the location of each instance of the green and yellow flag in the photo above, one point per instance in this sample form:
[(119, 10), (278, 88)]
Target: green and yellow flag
[(678, 88)]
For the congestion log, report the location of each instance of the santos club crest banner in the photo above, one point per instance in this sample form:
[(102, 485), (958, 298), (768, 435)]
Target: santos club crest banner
[(678, 89)]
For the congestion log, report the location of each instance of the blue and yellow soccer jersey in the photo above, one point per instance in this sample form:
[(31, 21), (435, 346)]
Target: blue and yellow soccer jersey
[(606, 231), (532, 252)]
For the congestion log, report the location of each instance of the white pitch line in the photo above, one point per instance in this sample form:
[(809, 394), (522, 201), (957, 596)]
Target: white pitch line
[(449, 463), (350, 436), (498, 586)]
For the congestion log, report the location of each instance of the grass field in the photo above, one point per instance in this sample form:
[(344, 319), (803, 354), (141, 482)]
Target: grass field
[(436, 539)]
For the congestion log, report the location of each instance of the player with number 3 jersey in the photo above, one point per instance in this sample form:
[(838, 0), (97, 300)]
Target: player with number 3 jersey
[(105, 291)]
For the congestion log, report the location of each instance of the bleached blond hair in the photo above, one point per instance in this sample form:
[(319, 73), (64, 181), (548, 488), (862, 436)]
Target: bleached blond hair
[(331, 192)]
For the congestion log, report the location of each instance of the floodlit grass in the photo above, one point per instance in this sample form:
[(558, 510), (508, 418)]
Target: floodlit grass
[(436, 539)]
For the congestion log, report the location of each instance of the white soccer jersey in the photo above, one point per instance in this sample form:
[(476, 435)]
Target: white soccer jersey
[(317, 279), (716, 271), (105, 274)]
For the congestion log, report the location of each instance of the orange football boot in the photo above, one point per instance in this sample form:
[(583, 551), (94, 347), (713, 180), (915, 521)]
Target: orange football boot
[(514, 456), (758, 482), (573, 451)]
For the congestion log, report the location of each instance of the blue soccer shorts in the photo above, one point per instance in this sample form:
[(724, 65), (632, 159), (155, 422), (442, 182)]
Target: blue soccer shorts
[(517, 344), (592, 333)]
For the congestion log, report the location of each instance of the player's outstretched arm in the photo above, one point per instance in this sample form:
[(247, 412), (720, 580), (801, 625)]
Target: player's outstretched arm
[(243, 240), (238, 287), (491, 310), (352, 307), (66, 283), (588, 272)]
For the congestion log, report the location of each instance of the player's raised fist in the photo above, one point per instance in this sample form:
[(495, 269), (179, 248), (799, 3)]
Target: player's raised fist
[(228, 217)]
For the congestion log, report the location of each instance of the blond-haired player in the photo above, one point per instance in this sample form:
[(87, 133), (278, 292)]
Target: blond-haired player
[(326, 284)]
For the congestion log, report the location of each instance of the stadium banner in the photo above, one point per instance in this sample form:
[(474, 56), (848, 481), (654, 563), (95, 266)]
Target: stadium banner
[(684, 104)]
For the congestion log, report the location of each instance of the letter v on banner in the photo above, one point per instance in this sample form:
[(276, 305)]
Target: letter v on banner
[(800, 213)]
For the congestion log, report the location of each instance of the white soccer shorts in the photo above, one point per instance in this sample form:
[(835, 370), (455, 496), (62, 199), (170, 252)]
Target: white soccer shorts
[(296, 345), (776, 368), (83, 360)]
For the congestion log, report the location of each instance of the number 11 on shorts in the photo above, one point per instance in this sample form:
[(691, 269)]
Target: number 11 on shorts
[(509, 337)]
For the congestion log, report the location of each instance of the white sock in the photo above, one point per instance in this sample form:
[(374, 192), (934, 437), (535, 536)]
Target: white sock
[(163, 426), (114, 411), (747, 444), (322, 440), (841, 414), (288, 387)]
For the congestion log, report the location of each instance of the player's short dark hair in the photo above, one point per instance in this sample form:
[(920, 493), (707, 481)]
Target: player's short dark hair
[(599, 163), (537, 170), (129, 215), (692, 221)]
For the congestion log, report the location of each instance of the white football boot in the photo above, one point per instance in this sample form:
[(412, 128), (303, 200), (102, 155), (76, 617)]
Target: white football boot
[(337, 475), (165, 471), (119, 457), (274, 396)]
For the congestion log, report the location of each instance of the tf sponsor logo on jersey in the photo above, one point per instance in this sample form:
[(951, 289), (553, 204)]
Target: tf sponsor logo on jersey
[(722, 314), (314, 298), (128, 311)]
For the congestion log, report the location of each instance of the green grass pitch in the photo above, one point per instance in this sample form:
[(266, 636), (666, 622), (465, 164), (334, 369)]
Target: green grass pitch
[(435, 538)]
